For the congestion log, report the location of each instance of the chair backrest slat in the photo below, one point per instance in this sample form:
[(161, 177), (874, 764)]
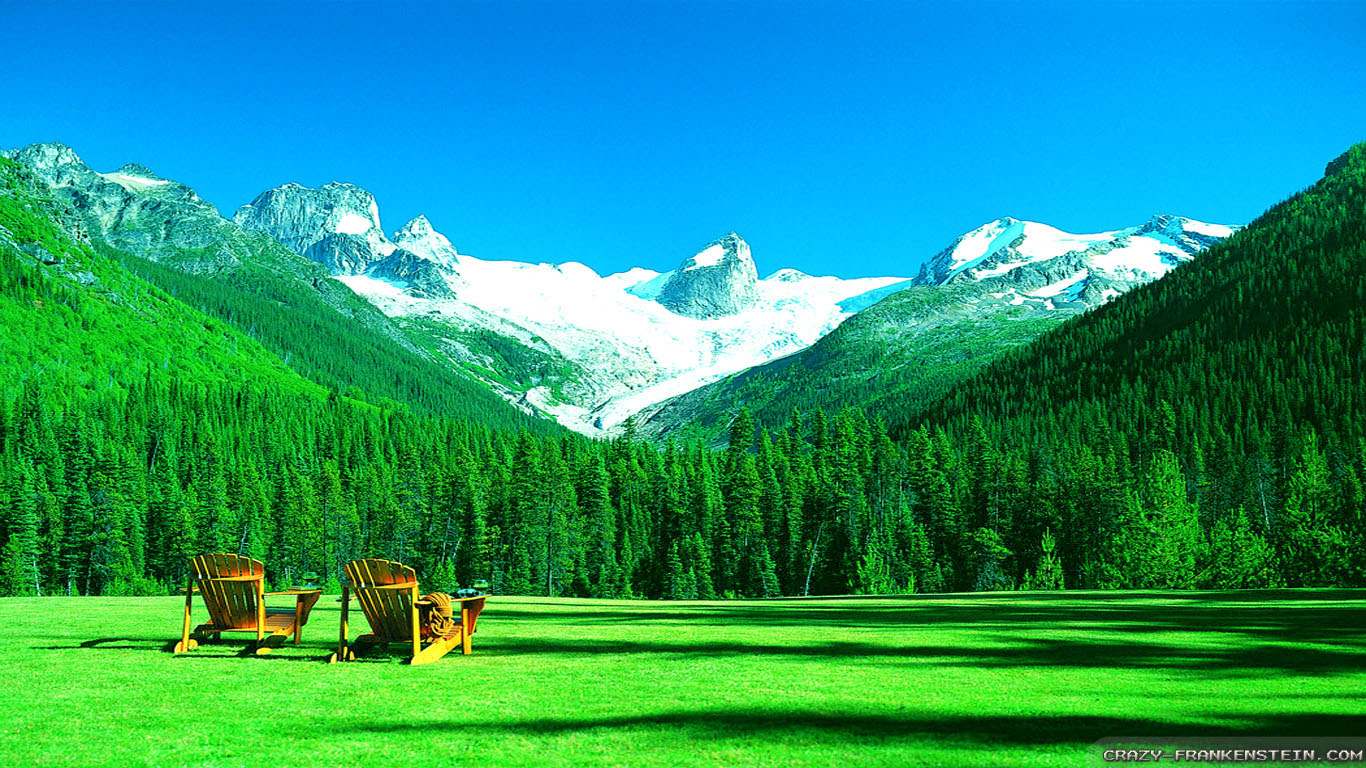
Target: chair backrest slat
[(389, 611), (231, 604)]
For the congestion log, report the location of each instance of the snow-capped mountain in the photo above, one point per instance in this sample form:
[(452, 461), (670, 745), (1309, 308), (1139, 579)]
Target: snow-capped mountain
[(630, 350), (1025, 262), (632, 338), (718, 281), (337, 225), (992, 289), (610, 346)]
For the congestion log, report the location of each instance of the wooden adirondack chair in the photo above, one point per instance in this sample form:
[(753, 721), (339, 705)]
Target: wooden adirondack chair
[(233, 588), (388, 596)]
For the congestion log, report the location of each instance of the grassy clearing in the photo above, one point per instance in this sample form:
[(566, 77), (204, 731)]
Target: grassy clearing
[(987, 679)]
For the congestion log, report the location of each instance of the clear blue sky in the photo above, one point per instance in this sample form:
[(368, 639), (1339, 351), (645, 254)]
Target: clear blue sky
[(851, 138)]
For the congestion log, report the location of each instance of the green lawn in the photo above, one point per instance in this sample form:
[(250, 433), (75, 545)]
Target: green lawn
[(986, 679)]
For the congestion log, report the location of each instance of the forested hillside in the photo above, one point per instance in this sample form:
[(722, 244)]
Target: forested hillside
[(165, 233), (1204, 431), (1207, 428), (889, 360)]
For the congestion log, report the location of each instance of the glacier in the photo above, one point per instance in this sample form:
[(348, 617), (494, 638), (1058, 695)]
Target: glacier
[(636, 338)]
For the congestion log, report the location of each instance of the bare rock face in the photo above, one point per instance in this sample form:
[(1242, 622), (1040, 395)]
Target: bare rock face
[(336, 225), (139, 211), (720, 280), (420, 275), (419, 237)]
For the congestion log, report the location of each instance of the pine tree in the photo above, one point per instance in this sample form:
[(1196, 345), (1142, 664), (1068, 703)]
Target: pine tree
[(1238, 557), (1175, 543), (19, 557), (1312, 548), (602, 569), (1048, 574)]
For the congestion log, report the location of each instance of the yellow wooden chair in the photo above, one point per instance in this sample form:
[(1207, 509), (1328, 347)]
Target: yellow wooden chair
[(233, 588), (388, 596)]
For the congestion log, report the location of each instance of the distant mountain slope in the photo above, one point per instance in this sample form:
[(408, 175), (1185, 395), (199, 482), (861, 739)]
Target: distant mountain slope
[(79, 322), (1263, 332), (598, 348), (168, 235), (992, 289), (1206, 428)]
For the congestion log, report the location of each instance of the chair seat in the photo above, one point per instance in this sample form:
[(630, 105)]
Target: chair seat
[(277, 620), (280, 620)]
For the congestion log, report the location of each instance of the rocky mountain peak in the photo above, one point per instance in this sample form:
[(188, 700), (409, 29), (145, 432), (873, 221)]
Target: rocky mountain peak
[(53, 154), (788, 275), (1190, 235), (421, 238), (55, 163), (731, 249), (717, 281), (420, 226), (970, 250), (139, 170), (336, 225)]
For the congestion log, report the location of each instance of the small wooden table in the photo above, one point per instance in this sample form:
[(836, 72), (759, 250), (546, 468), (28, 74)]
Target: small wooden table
[(303, 602)]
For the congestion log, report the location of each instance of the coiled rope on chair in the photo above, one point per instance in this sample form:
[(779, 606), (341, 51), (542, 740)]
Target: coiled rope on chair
[(437, 618)]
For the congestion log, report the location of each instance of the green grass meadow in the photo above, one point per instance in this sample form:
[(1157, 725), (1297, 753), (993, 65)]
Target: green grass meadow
[(984, 679)]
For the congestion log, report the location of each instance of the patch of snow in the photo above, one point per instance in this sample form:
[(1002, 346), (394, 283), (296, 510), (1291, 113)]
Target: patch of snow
[(1143, 256), (638, 351), (649, 289), (133, 183), (707, 257), (1202, 228), (366, 285), (576, 270), (352, 223), (1057, 288), (631, 277), (867, 299), (982, 242)]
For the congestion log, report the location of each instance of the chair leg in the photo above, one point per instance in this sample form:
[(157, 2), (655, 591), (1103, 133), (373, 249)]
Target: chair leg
[(416, 632), (260, 612), (184, 644), (341, 653)]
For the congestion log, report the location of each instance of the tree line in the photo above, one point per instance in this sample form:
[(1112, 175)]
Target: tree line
[(113, 494), (1202, 431)]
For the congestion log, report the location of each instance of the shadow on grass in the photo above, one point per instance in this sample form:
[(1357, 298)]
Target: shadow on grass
[(1242, 661), (1267, 616), (160, 645), (1221, 634), (107, 644), (824, 726)]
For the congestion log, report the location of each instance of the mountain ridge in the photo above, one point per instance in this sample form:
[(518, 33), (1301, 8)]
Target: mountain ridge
[(598, 350), (165, 233)]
